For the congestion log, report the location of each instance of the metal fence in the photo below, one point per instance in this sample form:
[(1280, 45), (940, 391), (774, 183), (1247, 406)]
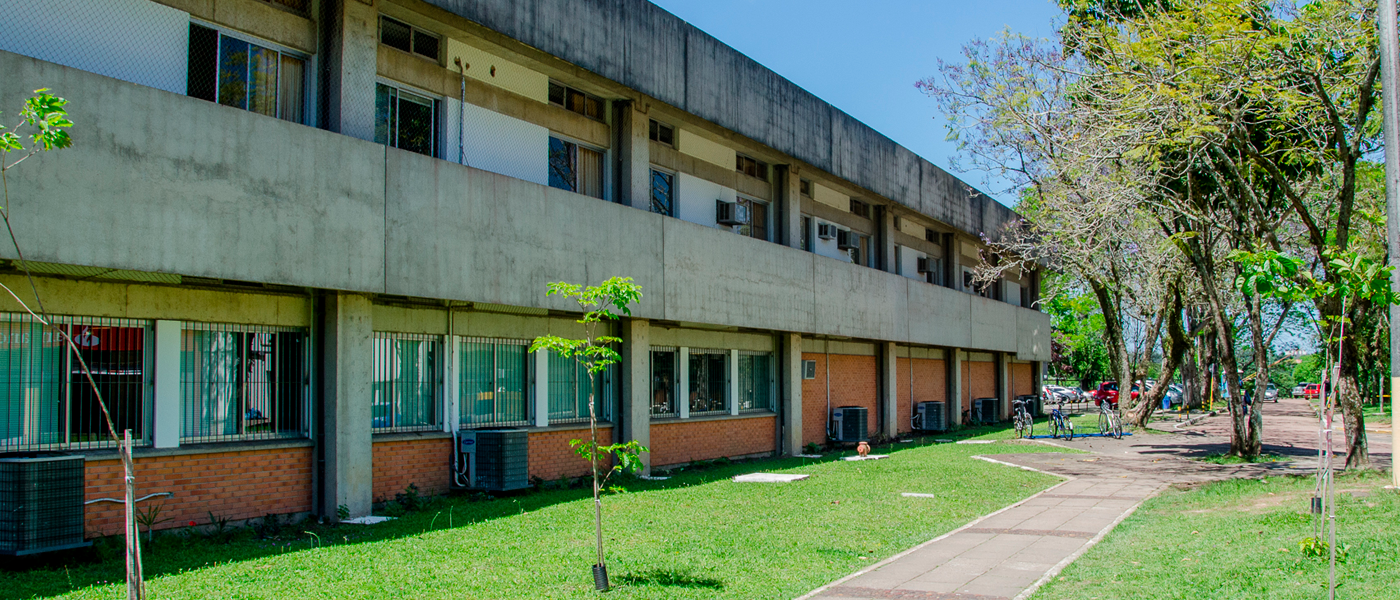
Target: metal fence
[(46, 401), (407, 389), (243, 382)]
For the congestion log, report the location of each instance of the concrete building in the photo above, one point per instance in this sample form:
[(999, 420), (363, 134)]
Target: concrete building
[(308, 240)]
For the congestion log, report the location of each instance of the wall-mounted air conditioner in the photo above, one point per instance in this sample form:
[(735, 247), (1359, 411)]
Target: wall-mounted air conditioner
[(929, 416), (41, 503), (926, 264), (848, 424), (847, 240), (986, 410), (496, 460), (731, 213), (826, 231)]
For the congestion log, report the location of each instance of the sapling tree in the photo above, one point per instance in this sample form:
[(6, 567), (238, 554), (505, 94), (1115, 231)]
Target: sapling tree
[(604, 303)]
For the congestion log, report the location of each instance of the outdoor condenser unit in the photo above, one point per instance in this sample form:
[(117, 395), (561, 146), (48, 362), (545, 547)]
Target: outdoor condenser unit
[(925, 264), (731, 213), (1033, 404), (931, 416), (986, 410), (848, 424), (41, 503), (496, 460), (847, 240), (826, 231)]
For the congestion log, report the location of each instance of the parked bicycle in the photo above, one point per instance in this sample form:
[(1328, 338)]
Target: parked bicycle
[(1025, 425), (1110, 424), (1060, 423)]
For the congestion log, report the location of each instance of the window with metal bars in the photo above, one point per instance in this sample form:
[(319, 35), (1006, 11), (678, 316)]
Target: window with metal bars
[(663, 382), (709, 381), (755, 381), (46, 401), (243, 382), (407, 382), (569, 389), (493, 375)]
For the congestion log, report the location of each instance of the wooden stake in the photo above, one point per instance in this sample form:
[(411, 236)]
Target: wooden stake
[(135, 589)]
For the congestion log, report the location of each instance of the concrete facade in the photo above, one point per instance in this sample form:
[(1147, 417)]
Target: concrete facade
[(188, 216)]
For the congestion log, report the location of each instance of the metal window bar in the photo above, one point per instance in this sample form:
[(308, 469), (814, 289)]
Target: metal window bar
[(709, 385), (755, 381), (46, 402), (663, 383), (243, 382), (407, 385), (492, 375), (569, 390)]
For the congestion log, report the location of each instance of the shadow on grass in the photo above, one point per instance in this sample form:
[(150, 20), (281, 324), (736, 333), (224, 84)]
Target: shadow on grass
[(671, 579)]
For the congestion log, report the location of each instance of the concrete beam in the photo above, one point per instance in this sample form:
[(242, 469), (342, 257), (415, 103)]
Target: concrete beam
[(347, 361), (889, 389), (636, 386), (790, 353)]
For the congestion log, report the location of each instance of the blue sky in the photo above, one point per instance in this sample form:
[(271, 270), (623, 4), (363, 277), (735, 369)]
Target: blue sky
[(864, 57)]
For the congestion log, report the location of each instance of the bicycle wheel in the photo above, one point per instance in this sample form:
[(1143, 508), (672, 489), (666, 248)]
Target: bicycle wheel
[(1105, 428), (1030, 426), (1054, 427), (1117, 427), (1020, 427), (1069, 430)]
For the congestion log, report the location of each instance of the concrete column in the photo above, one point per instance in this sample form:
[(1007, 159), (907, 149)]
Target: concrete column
[(733, 382), (952, 277), (349, 66), (1004, 382), (633, 156), (791, 385), (166, 429), (1034, 294), (541, 359), (884, 224), (347, 362), (451, 418), (955, 387), (636, 386), (1037, 377), (683, 376), (889, 389), (788, 224)]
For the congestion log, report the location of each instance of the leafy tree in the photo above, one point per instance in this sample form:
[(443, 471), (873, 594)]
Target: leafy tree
[(600, 304)]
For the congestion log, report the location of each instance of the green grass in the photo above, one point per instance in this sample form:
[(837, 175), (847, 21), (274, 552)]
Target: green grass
[(1224, 459), (698, 535), (1240, 539)]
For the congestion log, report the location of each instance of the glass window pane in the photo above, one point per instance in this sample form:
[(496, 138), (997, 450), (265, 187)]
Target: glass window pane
[(476, 388), (416, 124), (202, 74), (395, 34), (262, 81), (758, 220), (590, 172), (386, 100), (563, 387), (425, 44), (556, 93), (291, 89), (511, 375), (405, 383), (561, 165), (233, 72), (662, 190), (663, 382)]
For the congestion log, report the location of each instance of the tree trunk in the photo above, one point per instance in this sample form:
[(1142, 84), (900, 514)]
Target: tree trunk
[(1110, 303), (1353, 413), (1173, 348), (1254, 439)]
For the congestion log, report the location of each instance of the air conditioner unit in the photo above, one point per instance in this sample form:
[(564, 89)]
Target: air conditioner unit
[(1033, 404), (926, 264), (826, 231), (986, 410), (496, 460), (848, 424), (731, 213), (847, 240), (930, 416), (41, 503)]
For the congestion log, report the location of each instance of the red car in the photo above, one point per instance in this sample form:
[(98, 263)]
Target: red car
[(1108, 391), (1312, 390)]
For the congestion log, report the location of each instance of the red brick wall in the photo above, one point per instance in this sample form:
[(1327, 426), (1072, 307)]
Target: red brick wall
[(679, 442), (551, 456), (930, 385), (1022, 379), (979, 381), (854, 382), (426, 463), (232, 485)]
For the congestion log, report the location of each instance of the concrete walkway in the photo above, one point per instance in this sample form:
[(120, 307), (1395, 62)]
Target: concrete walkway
[(1010, 553)]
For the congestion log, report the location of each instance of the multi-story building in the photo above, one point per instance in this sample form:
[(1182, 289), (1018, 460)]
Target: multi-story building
[(302, 242)]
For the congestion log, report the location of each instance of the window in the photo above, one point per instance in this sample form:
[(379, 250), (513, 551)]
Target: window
[(663, 133), (241, 74), (569, 390), (492, 375), (405, 120), (755, 381), (757, 227), (242, 382), (663, 193), (406, 390), (804, 187), (931, 235), (663, 382), (397, 34), (751, 167), (575, 168), (709, 385), (806, 233), (46, 401), (862, 254), (571, 99), (860, 209)]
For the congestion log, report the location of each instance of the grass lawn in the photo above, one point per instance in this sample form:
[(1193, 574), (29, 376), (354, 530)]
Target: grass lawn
[(1240, 539), (698, 535)]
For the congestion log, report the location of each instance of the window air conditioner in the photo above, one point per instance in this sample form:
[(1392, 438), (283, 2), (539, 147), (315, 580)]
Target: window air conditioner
[(926, 265), (731, 213), (826, 231), (847, 240)]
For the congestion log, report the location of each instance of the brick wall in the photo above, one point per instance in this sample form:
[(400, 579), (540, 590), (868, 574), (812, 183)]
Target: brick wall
[(979, 381), (679, 442), (930, 385), (232, 485), (551, 456), (426, 463), (1022, 379), (854, 381)]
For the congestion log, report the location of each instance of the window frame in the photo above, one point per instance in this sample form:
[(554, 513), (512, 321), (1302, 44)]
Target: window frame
[(769, 387), (527, 378), (675, 179), (438, 365), (399, 90), (804, 187), (307, 76), (760, 169), (726, 401), (674, 392), (605, 175), (654, 129), (860, 208), (306, 375), (413, 32), (747, 228), (602, 102)]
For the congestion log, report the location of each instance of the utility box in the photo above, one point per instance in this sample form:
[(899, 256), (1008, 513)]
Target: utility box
[(1034, 405), (496, 460), (41, 502), (848, 424), (932, 416), (986, 410)]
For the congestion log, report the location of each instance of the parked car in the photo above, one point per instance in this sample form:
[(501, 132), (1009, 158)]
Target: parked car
[(1312, 390), (1074, 394), (1174, 394), (1107, 391), (1271, 393), (1297, 391)]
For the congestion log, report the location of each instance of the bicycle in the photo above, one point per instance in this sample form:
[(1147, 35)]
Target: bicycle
[(1025, 425), (1060, 424), (1110, 425)]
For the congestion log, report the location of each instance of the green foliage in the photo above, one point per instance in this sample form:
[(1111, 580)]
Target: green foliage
[(1312, 547), (628, 455), (1077, 346), (605, 302), (1275, 275), (45, 114)]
